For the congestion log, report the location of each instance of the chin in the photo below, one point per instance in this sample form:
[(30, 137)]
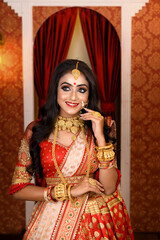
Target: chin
[(69, 114)]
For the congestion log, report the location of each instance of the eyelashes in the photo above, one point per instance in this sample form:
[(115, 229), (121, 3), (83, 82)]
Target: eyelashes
[(67, 88), (82, 90)]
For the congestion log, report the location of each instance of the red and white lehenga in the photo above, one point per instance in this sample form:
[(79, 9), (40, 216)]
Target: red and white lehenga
[(99, 217)]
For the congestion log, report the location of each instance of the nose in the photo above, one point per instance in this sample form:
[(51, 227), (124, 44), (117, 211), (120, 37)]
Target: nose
[(73, 95)]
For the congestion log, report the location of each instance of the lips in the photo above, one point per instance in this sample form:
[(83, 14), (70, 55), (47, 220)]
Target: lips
[(71, 104)]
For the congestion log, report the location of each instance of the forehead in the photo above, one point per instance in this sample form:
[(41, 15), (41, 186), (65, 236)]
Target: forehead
[(69, 78)]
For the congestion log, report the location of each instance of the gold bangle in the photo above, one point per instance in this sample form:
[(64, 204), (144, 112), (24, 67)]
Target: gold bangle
[(60, 192), (107, 146), (69, 194), (107, 165), (105, 155), (47, 194)]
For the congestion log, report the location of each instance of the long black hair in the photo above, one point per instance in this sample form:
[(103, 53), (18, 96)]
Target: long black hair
[(49, 112)]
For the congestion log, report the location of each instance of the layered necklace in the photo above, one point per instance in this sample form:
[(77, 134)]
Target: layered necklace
[(71, 125)]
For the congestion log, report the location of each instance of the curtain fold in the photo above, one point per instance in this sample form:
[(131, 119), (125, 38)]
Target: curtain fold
[(51, 47), (104, 51)]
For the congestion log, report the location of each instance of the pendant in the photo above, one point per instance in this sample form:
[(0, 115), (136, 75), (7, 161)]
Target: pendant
[(74, 137)]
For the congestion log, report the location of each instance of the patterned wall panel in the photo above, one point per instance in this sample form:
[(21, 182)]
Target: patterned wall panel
[(12, 212), (145, 119)]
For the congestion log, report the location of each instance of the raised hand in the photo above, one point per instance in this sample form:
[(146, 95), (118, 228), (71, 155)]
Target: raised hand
[(97, 124)]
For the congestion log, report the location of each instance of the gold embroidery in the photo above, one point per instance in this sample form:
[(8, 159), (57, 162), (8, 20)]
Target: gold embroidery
[(94, 219), (91, 225), (23, 154), (104, 210), (70, 180), (21, 175), (101, 225), (96, 234)]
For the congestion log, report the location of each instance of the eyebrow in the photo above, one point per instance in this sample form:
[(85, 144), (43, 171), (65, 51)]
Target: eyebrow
[(80, 85)]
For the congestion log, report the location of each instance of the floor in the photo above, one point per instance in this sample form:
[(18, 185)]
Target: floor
[(147, 236)]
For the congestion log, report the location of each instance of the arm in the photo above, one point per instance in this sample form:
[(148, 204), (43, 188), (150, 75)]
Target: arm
[(30, 193), (107, 177), (21, 187)]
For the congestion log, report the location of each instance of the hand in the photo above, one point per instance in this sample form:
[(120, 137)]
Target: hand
[(97, 125), (85, 186)]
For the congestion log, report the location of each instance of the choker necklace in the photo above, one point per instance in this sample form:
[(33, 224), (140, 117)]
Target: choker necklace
[(70, 124)]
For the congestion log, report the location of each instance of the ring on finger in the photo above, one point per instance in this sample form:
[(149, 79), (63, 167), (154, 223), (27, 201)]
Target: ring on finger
[(92, 181), (96, 114)]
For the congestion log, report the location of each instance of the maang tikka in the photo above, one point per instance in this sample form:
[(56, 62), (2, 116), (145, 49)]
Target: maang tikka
[(76, 72)]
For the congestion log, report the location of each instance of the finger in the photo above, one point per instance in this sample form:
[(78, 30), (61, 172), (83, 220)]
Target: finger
[(96, 190), (100, 188), (100, 184), (96, 187), (90, 115), (91, 118)]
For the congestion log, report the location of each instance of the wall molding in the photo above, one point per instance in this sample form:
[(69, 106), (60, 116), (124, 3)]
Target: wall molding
[(128, 9)]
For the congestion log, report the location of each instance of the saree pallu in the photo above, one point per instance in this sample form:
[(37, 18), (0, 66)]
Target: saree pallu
[(96, 217)]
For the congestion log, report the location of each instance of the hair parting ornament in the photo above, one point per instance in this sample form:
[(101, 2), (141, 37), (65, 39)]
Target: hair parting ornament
[(76, 72)]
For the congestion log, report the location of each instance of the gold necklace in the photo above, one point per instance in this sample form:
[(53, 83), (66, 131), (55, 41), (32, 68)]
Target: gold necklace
[(55, 161), (70, 124)]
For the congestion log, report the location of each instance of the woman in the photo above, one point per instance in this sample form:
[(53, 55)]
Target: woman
[(60, 151)]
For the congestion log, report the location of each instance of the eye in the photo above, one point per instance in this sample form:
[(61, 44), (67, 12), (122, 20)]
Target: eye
[(65, 88), (82, 90)]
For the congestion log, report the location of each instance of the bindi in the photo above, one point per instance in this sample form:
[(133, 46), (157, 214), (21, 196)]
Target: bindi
[(74, 83)]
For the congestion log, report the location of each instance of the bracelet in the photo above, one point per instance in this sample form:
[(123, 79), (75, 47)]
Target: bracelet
[(107, 146), (106, 153), (107, 165), (105, 156), (60, 192), (69, 194), (47, 194)]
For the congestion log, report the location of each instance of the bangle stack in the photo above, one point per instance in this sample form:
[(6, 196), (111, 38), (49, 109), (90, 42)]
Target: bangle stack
[(47, 194), (106, 156), (62, 192)]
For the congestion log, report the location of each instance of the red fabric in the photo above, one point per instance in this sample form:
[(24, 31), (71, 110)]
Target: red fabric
[(15, 188), (104, 51), (51, 47), (105, 220)]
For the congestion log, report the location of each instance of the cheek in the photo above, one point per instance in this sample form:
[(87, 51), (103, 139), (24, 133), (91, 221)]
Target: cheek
[(61, 95), (85, 97)]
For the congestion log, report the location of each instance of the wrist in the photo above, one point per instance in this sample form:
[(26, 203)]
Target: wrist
[(53, 194), (70, 196), (72, 192), (101, 142)]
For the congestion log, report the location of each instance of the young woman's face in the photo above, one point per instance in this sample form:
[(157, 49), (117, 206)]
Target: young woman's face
[(71, 93)]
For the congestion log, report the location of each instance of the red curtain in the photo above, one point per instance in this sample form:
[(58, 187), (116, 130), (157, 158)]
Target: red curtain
[(51, 47), (104, 51)]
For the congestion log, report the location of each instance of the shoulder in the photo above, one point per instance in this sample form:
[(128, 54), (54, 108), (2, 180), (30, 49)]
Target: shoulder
[(28, 132)]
